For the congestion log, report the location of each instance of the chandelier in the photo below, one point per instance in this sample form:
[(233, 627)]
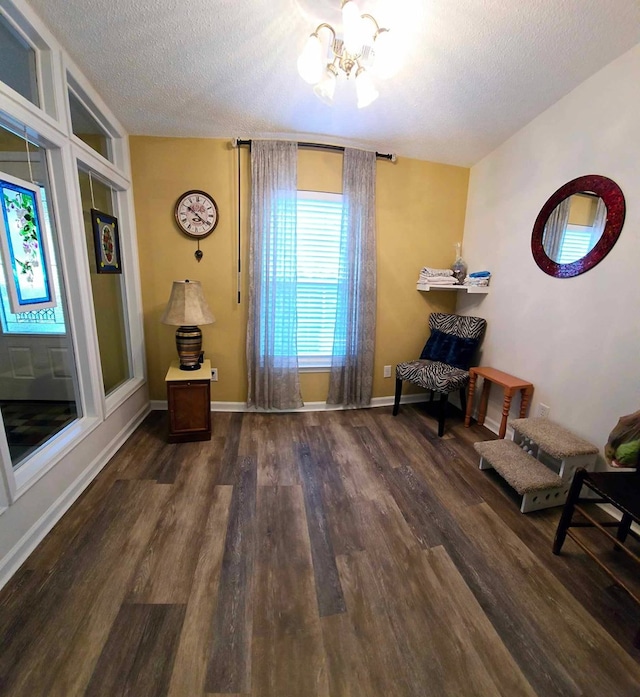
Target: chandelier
[(363, 51)]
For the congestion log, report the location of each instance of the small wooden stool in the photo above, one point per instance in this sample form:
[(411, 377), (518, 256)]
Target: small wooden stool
[(510, 384)]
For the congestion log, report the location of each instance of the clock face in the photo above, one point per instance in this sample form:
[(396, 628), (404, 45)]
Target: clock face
[(196, 214)]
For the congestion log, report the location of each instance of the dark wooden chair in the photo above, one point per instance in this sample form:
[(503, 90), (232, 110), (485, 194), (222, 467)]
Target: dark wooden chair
[(621, 490)]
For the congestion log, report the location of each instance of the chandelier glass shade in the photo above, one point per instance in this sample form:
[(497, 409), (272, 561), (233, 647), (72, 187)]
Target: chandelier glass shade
[(364, 50)]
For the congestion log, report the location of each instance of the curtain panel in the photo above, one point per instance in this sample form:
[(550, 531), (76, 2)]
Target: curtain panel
[(599, 222), (555, 228), (351, 378), (272, 353)]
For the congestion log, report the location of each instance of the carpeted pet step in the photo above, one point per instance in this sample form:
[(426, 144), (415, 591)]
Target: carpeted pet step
[(553, 438), (522, 471)]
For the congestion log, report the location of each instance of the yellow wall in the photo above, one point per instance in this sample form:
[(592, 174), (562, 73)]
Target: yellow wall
[(420, 216)]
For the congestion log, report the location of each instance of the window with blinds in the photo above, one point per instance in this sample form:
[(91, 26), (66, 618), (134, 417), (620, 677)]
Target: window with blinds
[(318, 263), (576, 243)]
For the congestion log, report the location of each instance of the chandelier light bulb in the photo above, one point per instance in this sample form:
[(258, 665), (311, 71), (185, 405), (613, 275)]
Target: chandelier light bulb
[(365, 89), (386, 55), (310, 62), (352, 28), (326, 88)]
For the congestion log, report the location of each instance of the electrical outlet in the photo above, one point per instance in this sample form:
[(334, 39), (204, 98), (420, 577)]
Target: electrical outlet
[(387, 371), (543, 411), (214, 375)]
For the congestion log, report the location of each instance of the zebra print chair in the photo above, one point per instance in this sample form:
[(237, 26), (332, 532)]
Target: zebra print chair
[(443, 366)]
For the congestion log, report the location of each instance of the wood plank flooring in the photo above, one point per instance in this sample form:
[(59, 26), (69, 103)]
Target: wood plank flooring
[(326, 554)]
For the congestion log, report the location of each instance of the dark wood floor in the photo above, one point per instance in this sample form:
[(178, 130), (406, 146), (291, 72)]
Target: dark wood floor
[(295, 555)]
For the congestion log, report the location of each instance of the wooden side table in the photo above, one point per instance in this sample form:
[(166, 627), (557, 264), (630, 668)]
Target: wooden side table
[(189, 400), (509, 383)]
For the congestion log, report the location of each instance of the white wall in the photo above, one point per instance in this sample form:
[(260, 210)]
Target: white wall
[(576, 339)]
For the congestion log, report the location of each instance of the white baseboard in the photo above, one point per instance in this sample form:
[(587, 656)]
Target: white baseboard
[(12, 561), (494, 427), (161, 404)]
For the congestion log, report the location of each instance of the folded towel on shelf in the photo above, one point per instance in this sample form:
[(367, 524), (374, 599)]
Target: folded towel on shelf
[(421, 285), (435, 281), (427, 271), (468, 281), (439, 281), (477, 278)]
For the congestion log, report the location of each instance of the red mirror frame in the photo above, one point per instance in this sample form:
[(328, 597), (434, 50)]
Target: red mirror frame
[(613, 198)]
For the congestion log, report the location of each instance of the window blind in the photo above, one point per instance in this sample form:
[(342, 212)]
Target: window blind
[(576, 242), (318, 251)]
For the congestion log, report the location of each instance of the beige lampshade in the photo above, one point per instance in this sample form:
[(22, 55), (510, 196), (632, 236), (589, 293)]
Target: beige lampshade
[(187, 306)]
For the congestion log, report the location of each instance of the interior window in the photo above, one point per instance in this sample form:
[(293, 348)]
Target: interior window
[(38, 382), (86, 127), (17, 62), (107, 288)]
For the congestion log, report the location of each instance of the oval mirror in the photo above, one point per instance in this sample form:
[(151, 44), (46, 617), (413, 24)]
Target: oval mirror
[(578, 226)]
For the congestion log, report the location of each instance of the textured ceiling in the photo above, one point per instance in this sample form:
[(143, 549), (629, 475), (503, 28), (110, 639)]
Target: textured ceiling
[(473, 72)]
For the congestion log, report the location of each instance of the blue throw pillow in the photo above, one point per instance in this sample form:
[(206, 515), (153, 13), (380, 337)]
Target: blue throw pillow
[(461, 352), (447, 348), (437, 346)]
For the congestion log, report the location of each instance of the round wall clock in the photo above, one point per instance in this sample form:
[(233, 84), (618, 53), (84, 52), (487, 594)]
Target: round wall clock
[(196, 214)]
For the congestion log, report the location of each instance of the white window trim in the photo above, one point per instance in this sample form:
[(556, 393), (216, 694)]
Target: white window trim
[(36, 465), (132, 295), (314, 364), (117, 174)]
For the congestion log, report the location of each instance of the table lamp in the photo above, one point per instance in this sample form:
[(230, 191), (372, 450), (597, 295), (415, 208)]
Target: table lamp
[(186, 309)]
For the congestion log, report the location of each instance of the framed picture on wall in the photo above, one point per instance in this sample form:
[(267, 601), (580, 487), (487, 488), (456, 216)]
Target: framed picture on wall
[(23, 246), (106, 242)]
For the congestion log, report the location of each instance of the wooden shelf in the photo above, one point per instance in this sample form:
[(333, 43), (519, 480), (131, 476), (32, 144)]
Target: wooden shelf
[(425, 287)]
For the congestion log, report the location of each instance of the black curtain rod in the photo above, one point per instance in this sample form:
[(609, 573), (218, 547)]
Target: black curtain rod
[(238, 143)]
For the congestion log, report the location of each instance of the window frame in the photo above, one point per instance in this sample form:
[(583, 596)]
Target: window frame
[(88, 160), (27, 25), (73, 88), (117, 199), (22, 38), (41, 461), (117, 144)]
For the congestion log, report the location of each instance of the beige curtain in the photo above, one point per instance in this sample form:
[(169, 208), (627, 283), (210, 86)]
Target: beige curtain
[(555, 228), (351, 379)]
